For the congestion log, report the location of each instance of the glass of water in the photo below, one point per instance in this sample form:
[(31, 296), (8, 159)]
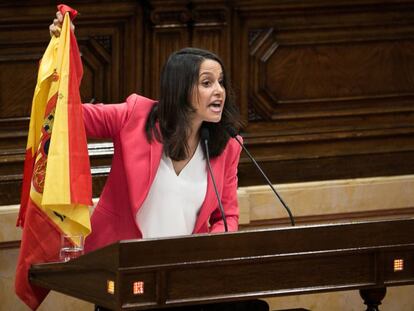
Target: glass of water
[(71, 246)]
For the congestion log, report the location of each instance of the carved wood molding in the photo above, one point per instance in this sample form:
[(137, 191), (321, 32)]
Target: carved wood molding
[(358, 76), (301, 27), (325, 87), (266, 8), (172, 14)]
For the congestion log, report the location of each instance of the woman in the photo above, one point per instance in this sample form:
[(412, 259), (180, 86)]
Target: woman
[(158, 185), (158, 151)]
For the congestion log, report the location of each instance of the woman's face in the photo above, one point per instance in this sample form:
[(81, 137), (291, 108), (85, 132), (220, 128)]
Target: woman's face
[(208, 95)]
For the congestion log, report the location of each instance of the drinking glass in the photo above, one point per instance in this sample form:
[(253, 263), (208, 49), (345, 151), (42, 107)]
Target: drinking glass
[(71, 246)]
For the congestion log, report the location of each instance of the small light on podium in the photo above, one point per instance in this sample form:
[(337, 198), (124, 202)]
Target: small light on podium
[(398, 265), (110, 287), (138, 288)]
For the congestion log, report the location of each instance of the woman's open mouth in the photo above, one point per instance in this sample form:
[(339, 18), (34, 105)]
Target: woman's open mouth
[(215, 106)]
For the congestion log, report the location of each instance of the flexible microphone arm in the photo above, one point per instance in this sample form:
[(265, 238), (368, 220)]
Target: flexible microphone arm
[(232, 132), (205, 135)]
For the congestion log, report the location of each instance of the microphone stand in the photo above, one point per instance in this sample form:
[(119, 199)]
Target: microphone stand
[(231, 132), (205, 135)]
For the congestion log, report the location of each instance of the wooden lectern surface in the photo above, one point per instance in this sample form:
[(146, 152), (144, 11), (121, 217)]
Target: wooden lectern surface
[(157, 273)]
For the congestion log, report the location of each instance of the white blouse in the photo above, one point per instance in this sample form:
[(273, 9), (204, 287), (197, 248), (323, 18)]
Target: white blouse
[(173, 201)]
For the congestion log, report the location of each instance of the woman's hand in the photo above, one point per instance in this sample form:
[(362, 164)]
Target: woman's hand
[(56, 26)]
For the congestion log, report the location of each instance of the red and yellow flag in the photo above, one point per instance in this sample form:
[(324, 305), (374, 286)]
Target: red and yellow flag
[(56, 192)]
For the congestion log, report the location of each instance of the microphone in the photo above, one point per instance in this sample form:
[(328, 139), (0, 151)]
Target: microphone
[(205, 136), (233, 134)]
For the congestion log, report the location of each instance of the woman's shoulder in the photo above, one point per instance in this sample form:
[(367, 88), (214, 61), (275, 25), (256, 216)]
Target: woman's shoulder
[(139, 102), (138, 109), (234, 142), (233, 147), (136, 98), (138, 106)]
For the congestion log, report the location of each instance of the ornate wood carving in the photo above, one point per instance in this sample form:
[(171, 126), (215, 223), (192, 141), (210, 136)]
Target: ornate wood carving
[(325, 89)]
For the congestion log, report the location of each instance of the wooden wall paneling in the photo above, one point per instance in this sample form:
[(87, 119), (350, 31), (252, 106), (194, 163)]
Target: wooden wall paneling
[(211, 29), (237, 69), (108, 33), (325, 89), (178, 24), (330, 71), (110, 41), (108, 37), (134, 51), (22, 43), (96, 61), (330, 168), (168, 32), (165, 41)]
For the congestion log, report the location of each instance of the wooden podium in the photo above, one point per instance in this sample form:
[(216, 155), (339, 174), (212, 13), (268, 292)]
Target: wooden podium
[(145, 274)]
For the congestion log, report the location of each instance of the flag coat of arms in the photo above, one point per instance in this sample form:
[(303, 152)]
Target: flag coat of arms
[(56, 192)]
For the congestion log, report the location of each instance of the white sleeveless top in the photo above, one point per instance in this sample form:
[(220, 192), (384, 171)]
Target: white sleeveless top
[(173, 201)]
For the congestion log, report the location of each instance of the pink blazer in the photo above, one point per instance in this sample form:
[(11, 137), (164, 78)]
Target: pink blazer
[(134, 165)]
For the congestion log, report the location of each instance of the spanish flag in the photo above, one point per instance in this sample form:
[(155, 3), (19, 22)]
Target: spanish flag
[(56, 192)]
